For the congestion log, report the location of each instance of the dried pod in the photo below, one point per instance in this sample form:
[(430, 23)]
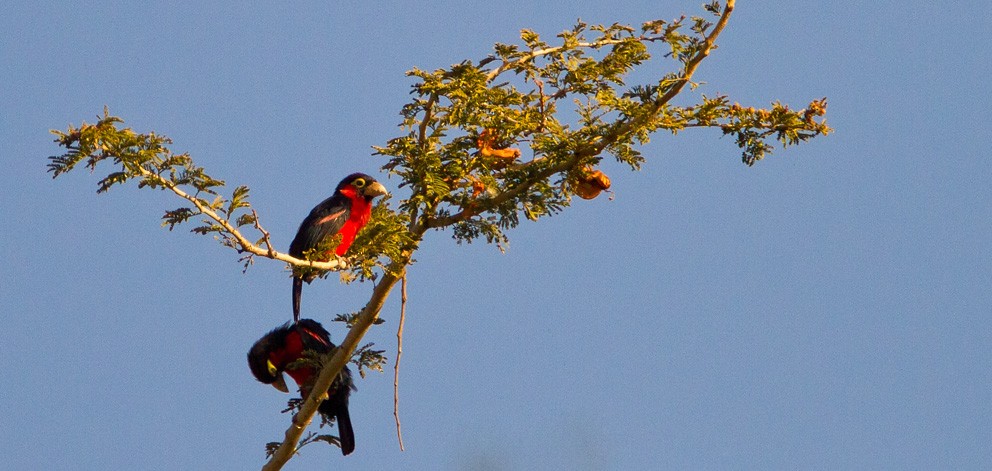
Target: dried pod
[(477, 188), (591, 183), (487, 149)]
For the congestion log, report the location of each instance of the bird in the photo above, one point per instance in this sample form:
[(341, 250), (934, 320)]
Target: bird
[(276, 352), (345, 213)]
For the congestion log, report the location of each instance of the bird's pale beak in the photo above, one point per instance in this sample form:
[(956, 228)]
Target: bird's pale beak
[(375, 189), (280, 383)]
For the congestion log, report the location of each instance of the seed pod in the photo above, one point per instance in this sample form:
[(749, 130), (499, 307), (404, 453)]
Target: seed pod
[(505, 155), (591, 183)]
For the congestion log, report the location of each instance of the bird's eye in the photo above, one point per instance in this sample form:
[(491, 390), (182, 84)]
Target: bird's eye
[(359, 182)]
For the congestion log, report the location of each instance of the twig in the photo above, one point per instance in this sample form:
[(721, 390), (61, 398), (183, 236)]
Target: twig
[(396, 368), (422, 142), (687, 72), (265, 233), (551, 50), (541, 106)]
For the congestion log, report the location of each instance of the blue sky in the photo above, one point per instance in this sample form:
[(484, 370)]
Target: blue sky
[(827, 309)]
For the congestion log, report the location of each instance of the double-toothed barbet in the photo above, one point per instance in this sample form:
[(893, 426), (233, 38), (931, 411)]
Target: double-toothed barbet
[(345, 213), (276, 351)]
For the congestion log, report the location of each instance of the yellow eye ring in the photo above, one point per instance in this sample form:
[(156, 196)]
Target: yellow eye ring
[(359, 182)]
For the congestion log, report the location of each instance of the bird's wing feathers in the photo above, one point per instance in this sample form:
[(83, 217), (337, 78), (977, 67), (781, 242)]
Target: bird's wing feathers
[(330, 217), (325, 220), (314, 336)]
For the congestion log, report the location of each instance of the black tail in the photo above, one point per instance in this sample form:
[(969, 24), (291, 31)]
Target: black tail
[(333, 407), (297, 291), (345, 433)]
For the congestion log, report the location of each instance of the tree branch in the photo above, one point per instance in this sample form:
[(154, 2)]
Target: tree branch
[(244, 244), (422, 131)]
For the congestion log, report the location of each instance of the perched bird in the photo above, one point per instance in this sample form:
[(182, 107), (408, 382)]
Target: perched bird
[(344, 213), (274, 354)]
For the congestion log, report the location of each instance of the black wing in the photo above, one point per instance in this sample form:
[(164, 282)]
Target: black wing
[(325, 220)]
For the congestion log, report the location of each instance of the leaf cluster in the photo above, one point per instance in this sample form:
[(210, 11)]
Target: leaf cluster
[(559, 108), (147, 159), (367, 358), (753, 127), (312, 437)]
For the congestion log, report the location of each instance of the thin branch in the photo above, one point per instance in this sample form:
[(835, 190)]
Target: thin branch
[(552, 50), (690, 67), (265, 233), (422, 131), (422, 142), (396, 368), (542, 104)]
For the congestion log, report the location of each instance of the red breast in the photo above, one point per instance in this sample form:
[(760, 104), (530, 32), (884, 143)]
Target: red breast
[(361, 210)]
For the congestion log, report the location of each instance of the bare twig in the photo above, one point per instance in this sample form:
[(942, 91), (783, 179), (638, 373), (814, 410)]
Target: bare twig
[(396, 368), (265, 234)]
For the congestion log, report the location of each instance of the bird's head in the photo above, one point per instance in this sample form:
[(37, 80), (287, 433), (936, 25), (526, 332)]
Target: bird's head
[(260, 360), (361, 184)]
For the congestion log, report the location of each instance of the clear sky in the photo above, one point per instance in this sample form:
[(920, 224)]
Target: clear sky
[(827, 309)]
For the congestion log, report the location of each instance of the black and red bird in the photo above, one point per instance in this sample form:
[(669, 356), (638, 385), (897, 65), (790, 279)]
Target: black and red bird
[(276, 351), (345, 213)]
